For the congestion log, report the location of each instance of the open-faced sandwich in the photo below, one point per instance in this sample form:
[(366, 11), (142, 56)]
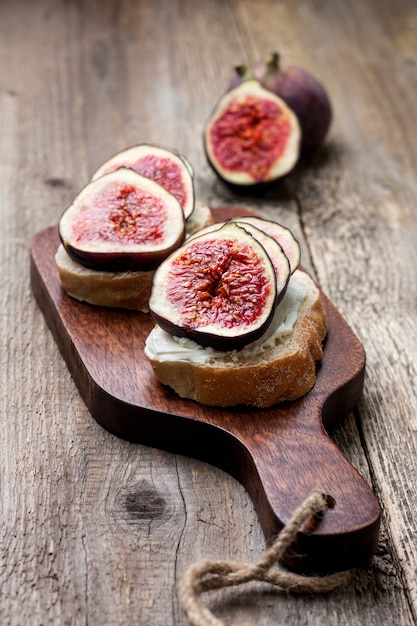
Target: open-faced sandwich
[(138, 207), (237, 321)]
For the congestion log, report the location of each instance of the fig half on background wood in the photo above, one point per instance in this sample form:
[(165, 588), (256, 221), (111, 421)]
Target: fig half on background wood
[(302, 91), (122, 221), (219, 289), (252, 137), (163, 165)]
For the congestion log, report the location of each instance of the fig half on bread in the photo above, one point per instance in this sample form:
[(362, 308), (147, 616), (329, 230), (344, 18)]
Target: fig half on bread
[(220, 288), (279, 367), (137, 208), (122, 221), (218, 339)]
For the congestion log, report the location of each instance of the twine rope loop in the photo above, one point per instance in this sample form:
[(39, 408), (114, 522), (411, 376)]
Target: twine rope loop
[(208, 575)]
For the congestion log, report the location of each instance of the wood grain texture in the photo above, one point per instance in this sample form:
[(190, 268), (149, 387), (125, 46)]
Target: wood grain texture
[(97, 530)]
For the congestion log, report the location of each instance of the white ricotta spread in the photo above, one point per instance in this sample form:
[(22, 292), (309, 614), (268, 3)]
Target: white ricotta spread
[(162, 346)]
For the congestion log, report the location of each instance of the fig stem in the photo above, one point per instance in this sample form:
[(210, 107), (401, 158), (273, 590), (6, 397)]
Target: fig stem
[(272, 63), (245, 72)]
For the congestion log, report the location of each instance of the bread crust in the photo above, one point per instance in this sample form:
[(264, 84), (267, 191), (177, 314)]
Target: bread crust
[(285, 373), (127, 290)]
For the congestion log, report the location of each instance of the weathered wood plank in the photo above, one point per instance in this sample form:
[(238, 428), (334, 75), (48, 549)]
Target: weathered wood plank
[(369, 219), (97, 530)]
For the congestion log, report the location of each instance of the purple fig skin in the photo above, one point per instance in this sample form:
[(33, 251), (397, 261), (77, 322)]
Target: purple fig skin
[(119, 262), (303, 93), (209, 340), (277, 255)]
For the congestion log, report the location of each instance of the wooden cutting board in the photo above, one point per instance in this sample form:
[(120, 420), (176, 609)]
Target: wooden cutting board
[(280, 454)]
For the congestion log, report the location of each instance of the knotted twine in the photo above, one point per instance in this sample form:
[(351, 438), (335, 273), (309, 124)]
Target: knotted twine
[(207, 575)]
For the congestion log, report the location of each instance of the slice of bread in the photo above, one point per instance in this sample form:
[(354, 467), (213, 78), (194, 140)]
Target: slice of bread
[(127, 290), (278, 367)]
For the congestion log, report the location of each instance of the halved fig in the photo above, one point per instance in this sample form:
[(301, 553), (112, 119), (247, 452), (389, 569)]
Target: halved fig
[(218, 289), (252, 137), (281, 234), (163, 165), (122, 221)]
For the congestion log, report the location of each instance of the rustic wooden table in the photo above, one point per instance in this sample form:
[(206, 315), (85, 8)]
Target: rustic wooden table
[(96, 529)]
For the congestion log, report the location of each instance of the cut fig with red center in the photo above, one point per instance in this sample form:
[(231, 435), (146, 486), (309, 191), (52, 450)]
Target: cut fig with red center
[(274, 250), (252, 137), (218, 289), (122, 221), (281, 234), (163, 165)]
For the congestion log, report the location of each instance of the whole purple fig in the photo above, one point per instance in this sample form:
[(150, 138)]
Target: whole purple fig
[(301, 91)]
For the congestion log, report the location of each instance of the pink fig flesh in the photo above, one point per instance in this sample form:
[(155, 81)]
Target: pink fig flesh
[(122, 221), (252, 137), (162, 165), (302, 92), (218, 289)]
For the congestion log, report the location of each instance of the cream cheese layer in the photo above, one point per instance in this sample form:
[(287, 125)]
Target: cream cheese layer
[(161, 346)]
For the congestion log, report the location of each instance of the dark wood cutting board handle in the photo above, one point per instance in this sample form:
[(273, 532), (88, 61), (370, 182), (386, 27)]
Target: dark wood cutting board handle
[(280, 454), (347, 534)]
